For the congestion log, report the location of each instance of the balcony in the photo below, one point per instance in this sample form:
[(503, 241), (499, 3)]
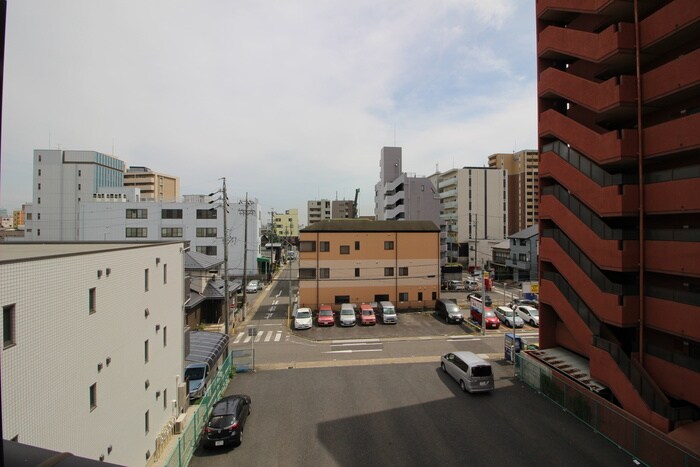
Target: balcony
[(448, 194), (608, 96), (674, 24), (672, 195), (399, 212), (602, 148), (449, 217), (613, 45), (673, 136), (672, 257), (671, 316), (448, 182), (675, 78), (449, 205), (555, 10)]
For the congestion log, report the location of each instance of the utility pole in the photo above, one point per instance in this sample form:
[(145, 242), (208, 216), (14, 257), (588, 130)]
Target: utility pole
[(227, 300), (245, 213)]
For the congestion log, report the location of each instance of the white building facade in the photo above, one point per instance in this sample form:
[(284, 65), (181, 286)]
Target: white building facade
[(113, 218), (318, 210), (61, 181), (402, 196), (473, 209), (92, 346)]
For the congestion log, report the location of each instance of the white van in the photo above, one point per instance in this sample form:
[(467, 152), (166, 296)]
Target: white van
[(387, 312), (473, 374)]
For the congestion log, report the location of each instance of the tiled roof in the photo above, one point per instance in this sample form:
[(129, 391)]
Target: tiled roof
[(194, 260), (529, 232)]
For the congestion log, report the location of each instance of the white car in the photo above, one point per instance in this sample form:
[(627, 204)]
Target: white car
[(347, 315), (529, 314), (303, 319), (252, 287), (508, 316)]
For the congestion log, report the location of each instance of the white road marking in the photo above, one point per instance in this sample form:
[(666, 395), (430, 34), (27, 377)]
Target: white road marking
[(269, 315), (269, 336), (247, 339), (354, 341), (354, 344), (353, 351), (239, 337), (275, 302), (278, 336), (278, 293), (258, 337)]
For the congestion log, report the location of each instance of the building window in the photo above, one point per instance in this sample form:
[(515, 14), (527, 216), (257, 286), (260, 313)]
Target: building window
[(171, 232), (145, 422), (307, 273), (403, 296), (38, 186), (38, 216), (206, 213), (324, 273), (8, 326), (93, 397), (403, 271), (38, 232), (136, 232), (206, 231), (80, 172), (137, 213), (145, 279), (92, 300), (307, 246), (165, 399), (145, 351), (434, 295), (79, 187), (344, 249), (522, 257), (340, 299), (38, 200), (39, 158), (357, 245), (324, 246), (206, 250), (165, 274), (420, 296), (171, 213), (357, 272), (165, 336), (388, 272), (389, 245)]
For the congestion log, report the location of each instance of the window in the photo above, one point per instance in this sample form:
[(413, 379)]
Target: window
[(38, 187), (79, 187), (38, 232), (307, 246), (93, 397), (388, 272), (324, 273), (357, 245), (165, 336), (145, 279), (92, 300), (39, 158), (403, 271), (324, 246), (136, 232), (206, 231), (434, 295), (307, 273), (420, 296), (145, 351), (206, 213), (137, 213), (206, 250), (344, 249), (80, 172), (403, 296), (389, 245), (145, 422), (357, 272), (38, 216), (8, 326), (40, 172), (522, 257), (340, 299), (38, 200), (165, 398), (165, 274), (171, 213), (171, 232)]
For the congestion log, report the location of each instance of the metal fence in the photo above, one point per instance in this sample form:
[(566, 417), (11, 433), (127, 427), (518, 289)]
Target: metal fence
[(186, 444), (644, 443)]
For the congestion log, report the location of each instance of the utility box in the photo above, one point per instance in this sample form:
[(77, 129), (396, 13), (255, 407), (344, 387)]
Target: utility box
[(508, 346)]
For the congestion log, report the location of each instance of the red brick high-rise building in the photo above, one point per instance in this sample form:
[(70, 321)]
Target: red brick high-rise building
[(619, 141)]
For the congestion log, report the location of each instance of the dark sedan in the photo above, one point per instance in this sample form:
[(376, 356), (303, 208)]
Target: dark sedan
[(226, 422)]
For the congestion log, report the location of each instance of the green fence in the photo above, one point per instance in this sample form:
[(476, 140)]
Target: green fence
[(186, 444), (640, 441)]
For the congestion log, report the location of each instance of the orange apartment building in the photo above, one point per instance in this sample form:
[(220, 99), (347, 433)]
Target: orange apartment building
[(619, 141), (363, 261)]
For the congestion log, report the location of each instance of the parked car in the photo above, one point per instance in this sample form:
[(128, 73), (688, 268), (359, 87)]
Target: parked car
[(347, 315), (325, 316), (448, 310), (387, 312), (485, 297), (367, 316), (529, 314), (303, 319), (471, 284), (473, 374), (253, 287), (226, 422), (508, 316), (455, 285), (492, 320), (525, 301)]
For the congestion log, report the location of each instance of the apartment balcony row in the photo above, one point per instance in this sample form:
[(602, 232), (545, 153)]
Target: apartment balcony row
[(394, 199), (448, 194), (399, 212), (449, 216), (390, 187), (614, 45), (559, 10), (448, 205), (452, 181)]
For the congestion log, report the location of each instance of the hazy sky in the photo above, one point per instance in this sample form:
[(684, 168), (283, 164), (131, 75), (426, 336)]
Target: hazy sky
[(289, 100)]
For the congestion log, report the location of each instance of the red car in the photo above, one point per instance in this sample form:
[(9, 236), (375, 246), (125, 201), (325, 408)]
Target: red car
[(492, 321), (325, 316), (367, 316)]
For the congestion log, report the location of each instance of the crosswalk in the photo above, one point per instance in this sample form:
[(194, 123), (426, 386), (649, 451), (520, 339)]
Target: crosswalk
[(262, 336)]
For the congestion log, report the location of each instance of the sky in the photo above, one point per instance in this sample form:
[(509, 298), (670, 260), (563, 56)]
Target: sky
[(289, 100)]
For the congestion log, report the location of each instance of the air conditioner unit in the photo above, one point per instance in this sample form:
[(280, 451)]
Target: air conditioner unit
[(179, 424)]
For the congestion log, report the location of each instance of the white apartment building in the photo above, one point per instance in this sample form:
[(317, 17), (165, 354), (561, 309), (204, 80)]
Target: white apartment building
[(92, 351), (473, 209), (61, 181), (403, 196), (113, 217), (318, 210)]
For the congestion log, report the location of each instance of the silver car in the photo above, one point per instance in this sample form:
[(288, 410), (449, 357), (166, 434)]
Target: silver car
[(474, 374), (529, 314), (508, 316), (347, 315)]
